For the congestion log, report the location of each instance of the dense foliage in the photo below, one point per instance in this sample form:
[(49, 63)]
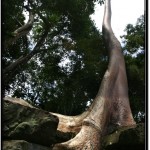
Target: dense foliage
[(65, 58), (67, 34), (134, 50)]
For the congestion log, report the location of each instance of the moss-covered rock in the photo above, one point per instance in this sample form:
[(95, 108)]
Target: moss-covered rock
[(22, 145), (126, 138), (29, 128), (28, 123)]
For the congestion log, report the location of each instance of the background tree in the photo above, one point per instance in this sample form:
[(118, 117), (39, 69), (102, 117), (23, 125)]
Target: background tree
[(134, 51), (46, 78), (50, 20)]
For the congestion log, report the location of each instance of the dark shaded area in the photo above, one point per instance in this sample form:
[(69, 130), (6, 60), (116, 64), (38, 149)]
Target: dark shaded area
[(130, 139)]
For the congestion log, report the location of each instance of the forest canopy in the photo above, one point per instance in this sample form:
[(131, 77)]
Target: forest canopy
[(57, 59)]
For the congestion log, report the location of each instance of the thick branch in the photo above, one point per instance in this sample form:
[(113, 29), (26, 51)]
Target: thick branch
[(21, 31), (71, 123), (107, 15), (19, 61), (26, 58)]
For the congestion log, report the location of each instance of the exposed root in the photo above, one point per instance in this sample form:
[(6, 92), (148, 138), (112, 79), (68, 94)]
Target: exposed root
[(87, 139), (71, 123)]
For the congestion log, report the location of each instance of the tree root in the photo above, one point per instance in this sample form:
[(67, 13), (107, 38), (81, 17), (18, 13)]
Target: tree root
[(71, 123), (87, 139)]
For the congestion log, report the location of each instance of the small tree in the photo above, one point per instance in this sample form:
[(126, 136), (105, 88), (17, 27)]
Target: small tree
[(134, 53)]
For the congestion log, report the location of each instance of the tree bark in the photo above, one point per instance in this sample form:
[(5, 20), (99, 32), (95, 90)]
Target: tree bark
[(110, 108)]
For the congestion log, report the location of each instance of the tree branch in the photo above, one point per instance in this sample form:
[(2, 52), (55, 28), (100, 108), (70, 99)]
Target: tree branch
[(24, 59), (21, 31)]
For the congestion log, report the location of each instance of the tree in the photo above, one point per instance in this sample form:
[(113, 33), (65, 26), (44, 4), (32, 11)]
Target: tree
[(134, 52), (111, 105), (110, 108), (52, 24)]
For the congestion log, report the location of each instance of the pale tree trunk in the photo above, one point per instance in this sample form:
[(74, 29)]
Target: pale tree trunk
[(111, 106)]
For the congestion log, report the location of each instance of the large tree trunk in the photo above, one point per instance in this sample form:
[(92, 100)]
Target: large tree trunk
[(110, 108)]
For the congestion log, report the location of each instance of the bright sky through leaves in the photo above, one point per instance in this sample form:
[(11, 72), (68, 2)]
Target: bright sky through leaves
[(123, 13)]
